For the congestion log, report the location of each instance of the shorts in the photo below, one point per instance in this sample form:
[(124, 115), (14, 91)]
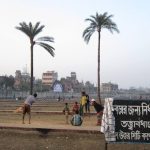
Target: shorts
[(26, 109), (66, 113)]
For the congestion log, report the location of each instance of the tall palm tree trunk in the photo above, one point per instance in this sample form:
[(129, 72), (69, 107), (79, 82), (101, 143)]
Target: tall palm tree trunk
[(31, 80), (98, 71)]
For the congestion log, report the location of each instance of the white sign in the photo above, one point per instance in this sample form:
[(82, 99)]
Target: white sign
[(57, 87)]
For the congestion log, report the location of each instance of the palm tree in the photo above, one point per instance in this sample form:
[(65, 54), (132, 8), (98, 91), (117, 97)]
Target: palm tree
[(31, 31), (97, 23)]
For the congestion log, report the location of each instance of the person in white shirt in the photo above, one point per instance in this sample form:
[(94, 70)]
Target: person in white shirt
[(27, 106)]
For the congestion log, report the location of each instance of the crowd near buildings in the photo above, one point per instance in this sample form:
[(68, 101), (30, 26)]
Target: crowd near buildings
[(50, 86)]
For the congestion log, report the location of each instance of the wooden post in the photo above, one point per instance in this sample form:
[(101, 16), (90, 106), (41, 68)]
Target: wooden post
[(106, 145)]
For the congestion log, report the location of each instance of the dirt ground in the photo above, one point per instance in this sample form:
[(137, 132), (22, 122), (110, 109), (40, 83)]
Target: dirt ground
[(33, 140), (11, 139), (29, 140), (43, 119)]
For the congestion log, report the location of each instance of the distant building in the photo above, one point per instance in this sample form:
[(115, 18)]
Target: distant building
[(21, 79), (71, 84), (1, 78), (26, 77), (17, 79), (67, 84), (109, 87), (49, 77), (73, 75)]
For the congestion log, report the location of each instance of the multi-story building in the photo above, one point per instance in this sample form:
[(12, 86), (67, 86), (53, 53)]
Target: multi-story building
[(73, 75), (49, 77), (17, 79), (71, 84), (109, 87), (21, 79)]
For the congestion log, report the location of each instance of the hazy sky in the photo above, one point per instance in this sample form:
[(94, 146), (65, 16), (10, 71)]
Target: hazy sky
[(125, 57)]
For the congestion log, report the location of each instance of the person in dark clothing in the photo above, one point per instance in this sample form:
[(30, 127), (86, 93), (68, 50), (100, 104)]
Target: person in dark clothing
[(99, 110), (87, 105)]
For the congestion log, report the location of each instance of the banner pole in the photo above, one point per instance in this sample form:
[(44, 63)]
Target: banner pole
[(105, 145)]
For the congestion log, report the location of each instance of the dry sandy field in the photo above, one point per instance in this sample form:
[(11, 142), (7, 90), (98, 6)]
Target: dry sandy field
[(12, 139), (33, 140)]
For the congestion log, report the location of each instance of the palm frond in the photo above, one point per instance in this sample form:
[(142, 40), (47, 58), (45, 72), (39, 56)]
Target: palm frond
[(98, 22), (39, 29), (87, 30), (87, 34), (24, 28), (29, 29), (47, 47), (46, 38), (91, 20), (36, 27)]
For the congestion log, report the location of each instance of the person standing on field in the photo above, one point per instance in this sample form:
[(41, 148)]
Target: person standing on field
[(27, 106), (82, 103), (87, 105), (66, 112), (75, 108), (99, 110)]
